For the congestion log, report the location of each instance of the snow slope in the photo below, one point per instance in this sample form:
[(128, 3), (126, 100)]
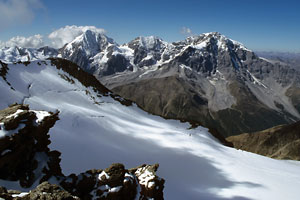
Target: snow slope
[(95, 131)]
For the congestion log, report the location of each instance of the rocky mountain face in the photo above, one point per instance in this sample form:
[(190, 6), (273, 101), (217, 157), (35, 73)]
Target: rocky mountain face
[(88, 49), (26, 158), (208, 79), (280, 142)]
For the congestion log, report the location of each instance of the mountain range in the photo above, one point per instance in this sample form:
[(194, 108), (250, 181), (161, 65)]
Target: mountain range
[(209, 79)]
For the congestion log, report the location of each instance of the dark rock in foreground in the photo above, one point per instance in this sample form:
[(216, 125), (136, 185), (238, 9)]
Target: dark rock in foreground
[(26, 158), (44, 191)]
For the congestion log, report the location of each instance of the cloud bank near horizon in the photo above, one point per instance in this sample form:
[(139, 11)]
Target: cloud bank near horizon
[(57, 39), (34, 41)]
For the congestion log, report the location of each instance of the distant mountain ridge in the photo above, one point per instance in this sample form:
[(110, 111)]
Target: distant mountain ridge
[(209, 79), (16, 54), (292, 59)]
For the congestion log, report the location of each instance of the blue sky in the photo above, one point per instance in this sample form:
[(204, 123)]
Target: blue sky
[(258, 24)]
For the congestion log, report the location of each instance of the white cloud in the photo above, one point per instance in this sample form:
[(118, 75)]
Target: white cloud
[(15, 12), (56, 39), (35, 41), (66, 34), (186, 31)]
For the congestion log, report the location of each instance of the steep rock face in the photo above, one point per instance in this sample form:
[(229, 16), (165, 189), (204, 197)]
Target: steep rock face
[(26, 158), (147, 50), (93, 51), (281, 142)]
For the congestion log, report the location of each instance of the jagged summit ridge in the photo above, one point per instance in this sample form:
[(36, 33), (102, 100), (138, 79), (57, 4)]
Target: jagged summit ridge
[(90, 42), (99, 54), (214, 38), (149, 42), (87, 49)]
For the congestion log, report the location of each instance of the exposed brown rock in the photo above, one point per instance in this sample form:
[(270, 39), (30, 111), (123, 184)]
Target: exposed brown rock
[(280, 142), (294, 94), (45, 191)]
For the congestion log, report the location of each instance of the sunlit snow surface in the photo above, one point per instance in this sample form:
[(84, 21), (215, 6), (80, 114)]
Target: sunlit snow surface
[(194, 165)]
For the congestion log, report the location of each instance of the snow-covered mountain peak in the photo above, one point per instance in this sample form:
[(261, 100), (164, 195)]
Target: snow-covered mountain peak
[(148, 43), (204, 36), (88, 49), (215, 39), (90, 42)]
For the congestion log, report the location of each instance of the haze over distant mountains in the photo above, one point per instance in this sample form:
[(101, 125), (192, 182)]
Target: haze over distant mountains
[(292, 59)]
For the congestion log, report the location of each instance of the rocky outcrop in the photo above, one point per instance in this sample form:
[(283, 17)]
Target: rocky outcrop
[(44, 191), (26, 158), (116, 182), (24, 142), (280, 142)]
